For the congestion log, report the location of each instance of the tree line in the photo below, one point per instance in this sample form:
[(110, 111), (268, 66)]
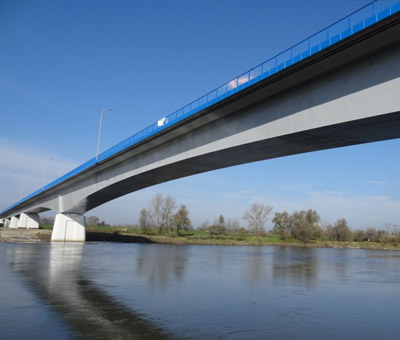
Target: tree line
[(305, 226), (164, 216)]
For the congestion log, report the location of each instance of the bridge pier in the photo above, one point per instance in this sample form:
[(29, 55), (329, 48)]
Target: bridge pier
[(6, 223), (28, 221), (69, 228), (14, 222)]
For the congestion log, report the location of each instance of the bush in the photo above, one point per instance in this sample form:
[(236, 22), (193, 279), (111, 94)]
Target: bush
[(359, 236), (217, 230), (306, 232), (374, 235)]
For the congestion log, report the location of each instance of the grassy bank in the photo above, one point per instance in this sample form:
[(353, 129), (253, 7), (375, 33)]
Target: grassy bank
[(115, 234)]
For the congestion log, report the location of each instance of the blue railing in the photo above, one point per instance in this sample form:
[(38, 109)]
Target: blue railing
[(342, 29)]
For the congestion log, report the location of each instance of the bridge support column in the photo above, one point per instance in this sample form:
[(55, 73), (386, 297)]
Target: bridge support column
[(14, 222), (6, 223), (69, 228), (28, 221)]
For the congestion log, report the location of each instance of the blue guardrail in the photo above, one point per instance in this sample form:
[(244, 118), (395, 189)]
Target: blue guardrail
[(342, 29)]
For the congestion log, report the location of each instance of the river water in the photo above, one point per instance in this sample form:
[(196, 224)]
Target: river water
[(148, 291)]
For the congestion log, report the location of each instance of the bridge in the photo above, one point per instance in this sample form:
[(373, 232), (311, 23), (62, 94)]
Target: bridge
[(336, 88)]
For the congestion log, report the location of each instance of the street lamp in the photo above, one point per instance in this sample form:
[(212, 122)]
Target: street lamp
[(98, 138)]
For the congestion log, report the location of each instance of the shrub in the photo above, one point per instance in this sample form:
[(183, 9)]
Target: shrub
[(306, 232), (374, 235), (359, 236), (217, 230)]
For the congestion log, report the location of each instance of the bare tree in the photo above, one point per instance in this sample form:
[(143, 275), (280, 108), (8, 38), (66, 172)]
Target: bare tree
[(156, 211), (257, 216), (220, 220), (144, 221), (92, 221), (167, 213), (204, 225), (392, 229), (232, 225)]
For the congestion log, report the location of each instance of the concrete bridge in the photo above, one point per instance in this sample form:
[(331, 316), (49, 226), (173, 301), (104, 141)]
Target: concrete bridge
[(345, 92)]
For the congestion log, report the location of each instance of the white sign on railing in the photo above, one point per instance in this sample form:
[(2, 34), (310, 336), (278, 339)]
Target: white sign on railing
[(161, 122)]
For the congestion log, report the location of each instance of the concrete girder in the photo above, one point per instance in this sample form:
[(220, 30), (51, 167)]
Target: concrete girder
[(359, 104), (346, 95)]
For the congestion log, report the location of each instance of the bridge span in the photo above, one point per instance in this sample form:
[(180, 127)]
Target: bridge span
[(346, 92)]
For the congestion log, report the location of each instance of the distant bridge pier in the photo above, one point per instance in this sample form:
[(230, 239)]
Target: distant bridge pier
[(69, 228), (28, 221), (6, 223), (14, 222)]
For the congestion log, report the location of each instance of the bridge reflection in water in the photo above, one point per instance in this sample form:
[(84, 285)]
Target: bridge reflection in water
[(56, 276), (149, 291)]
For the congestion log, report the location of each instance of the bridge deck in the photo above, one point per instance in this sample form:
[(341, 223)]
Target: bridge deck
[(345, 32)]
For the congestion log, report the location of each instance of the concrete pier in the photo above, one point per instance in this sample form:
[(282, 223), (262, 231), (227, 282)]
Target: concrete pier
[(69, 228), (14, 222), (28, 221)]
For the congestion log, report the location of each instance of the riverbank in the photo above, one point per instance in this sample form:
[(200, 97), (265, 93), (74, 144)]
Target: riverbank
[(24, 235), (265, 242), (123, 236)]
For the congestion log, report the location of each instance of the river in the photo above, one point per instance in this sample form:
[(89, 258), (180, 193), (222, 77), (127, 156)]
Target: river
[(149, 291)]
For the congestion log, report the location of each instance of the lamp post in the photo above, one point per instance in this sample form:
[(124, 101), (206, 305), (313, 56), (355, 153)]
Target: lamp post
[(98, 138)]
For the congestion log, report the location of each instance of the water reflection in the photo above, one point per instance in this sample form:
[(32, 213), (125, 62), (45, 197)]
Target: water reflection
[(56, 275), (161, 264), (198, 292), (295, 265), (338, 264), (257, 266)]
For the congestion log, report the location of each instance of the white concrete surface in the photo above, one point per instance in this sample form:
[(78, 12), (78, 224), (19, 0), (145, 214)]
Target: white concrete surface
[(14, 222), (69, 228), (28, 221)]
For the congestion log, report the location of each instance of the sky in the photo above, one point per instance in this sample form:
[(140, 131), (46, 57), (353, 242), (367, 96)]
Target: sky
[(63, 61)]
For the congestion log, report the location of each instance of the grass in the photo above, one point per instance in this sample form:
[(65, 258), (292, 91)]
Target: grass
[(203, 237)]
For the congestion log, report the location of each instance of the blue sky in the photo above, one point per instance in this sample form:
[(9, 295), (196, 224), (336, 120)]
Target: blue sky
[(63, 61)]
